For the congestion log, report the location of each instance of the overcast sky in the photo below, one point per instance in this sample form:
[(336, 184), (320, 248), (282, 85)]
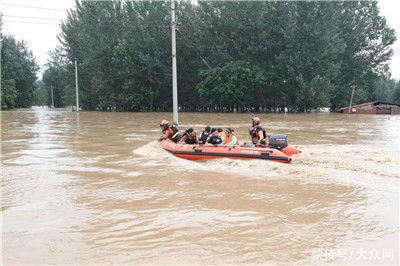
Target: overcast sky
[(41, 35)]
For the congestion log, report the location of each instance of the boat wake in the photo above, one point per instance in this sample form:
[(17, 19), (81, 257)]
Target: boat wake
[(319, 163), (153, 150)]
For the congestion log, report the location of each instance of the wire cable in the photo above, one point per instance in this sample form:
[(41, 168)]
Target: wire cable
[(137, 72), (12, 16), (34, 7), (29, 22), (197, 52)]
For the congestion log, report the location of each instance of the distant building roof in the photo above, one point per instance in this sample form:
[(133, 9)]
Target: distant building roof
[(372, 103)]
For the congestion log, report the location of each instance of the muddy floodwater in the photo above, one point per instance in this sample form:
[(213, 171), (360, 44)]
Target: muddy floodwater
[(96, 188)]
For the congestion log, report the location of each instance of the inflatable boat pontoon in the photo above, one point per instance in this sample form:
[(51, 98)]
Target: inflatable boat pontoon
[(244, 152)]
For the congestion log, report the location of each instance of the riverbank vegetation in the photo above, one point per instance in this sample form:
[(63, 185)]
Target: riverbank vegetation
[(231, 56)]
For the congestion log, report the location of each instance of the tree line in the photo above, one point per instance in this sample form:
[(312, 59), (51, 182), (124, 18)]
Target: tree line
[(18, 74), (231, 56)]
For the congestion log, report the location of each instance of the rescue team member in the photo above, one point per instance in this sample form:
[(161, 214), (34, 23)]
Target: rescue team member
[(214, 138), (170, 131), (189, 137), (230, 138), (257, 133), (204, 135)]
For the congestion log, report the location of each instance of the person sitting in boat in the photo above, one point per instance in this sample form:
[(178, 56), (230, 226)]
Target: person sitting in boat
[(221, 133), (204, 135), (215, 137), (230, 137), (189, 137), (257, 133), (170, 131)]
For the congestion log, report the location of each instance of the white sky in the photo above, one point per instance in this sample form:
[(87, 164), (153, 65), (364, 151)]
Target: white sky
[(43, 37)]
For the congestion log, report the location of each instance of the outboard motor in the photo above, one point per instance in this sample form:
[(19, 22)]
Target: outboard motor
[(278, 142)]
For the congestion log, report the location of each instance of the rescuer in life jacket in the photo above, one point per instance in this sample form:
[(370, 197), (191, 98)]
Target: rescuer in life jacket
[(230, 137), (204, 135), (189, 137), (214, 138), (170, 131), (257, 133)]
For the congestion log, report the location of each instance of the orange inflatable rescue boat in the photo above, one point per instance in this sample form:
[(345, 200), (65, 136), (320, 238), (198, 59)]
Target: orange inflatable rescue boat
[(244, 152), (280, 143)]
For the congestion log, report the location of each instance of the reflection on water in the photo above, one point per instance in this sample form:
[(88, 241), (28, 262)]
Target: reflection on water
[(94, 188)]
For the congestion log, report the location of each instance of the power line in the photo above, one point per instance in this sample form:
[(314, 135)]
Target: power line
[(140, 71), (34, 7), (29, 22), (11, 16), (95, 59), (87, 59), (194, 48)]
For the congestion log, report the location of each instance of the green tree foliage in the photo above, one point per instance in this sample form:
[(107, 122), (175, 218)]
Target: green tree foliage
[(57, 77), (233, 87), (19, 70), (382, 88), (8, 94), (41, 95), (231, 55), (368, 39), (396, 92)]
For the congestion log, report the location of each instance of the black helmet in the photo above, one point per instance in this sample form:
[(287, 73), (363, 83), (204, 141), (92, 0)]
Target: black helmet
[(229, 130), (220, 130), (190, 130), (208, 128), (213, 130)]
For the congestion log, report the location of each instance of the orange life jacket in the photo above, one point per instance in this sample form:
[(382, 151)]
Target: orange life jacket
[(168, 132), (231, 139)]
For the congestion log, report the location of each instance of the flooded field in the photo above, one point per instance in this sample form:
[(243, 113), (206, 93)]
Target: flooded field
[(96, 188)]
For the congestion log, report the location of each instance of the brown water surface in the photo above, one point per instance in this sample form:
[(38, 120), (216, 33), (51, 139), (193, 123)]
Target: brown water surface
[(96, 188)]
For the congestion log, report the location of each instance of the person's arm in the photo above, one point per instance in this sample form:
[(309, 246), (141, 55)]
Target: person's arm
[(183, 139), (166, 135), (263, 138), (260, 134)]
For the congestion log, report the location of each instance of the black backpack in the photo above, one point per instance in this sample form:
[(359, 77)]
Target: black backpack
[(176, 136)]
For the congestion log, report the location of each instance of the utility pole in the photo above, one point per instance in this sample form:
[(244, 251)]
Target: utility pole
[(351, 98), (174, 74), (52, 96), (76, 86), (1, 42)]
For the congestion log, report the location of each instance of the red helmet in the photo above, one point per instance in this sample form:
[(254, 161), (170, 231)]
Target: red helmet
[(163, 123), (256, 120)]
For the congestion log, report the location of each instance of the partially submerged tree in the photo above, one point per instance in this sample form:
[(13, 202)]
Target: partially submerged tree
[(301, 55)]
